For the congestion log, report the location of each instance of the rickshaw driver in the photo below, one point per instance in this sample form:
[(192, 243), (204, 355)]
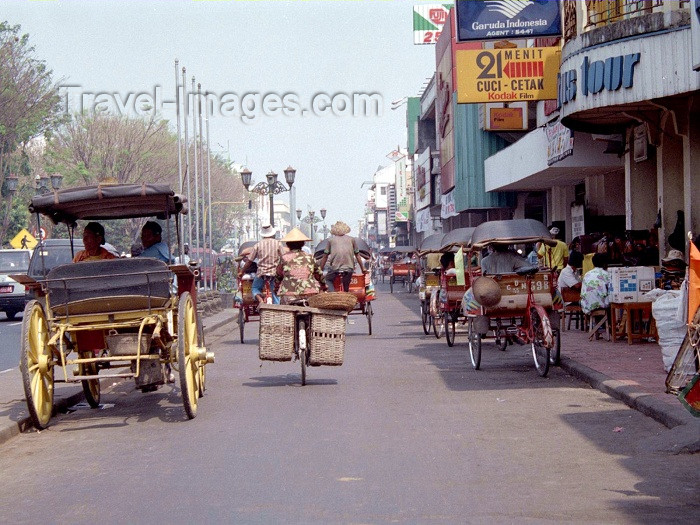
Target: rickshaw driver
[(343, 252), (502, 260), (268, 252)]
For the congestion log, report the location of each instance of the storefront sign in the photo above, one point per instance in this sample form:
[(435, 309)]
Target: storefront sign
[(503, 75), (505, 119), (448, 208), (481, 20), (423, 220), (423, 166), (560, 142), (640, 143), (428, 21), (610, 74), (578, 224)]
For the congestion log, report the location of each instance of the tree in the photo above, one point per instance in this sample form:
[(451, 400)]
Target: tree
[(29, 106)]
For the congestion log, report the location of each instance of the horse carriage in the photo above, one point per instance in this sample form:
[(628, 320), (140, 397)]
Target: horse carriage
[(358, 283), (123, 318), (515, 307)]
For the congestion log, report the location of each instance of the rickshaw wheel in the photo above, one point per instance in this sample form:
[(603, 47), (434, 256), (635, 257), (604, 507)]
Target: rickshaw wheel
[(438, 319), (410, 282), (369, 313), (391, 284), (540, 353), (91, 387), (36, 365), (474, 346), (241, 321), (187, 354), (555, 352), (425, 318), (450, 330), (502, 342)]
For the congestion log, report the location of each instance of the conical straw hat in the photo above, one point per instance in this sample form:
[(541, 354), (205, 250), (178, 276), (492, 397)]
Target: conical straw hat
[(295, 235)]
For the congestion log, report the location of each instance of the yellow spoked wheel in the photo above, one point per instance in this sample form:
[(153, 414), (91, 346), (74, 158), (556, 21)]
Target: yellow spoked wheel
[(36, 364), (202, 369), (187, 357)]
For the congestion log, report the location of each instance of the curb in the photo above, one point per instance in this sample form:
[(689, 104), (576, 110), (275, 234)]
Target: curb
[(61, 405), (663, 412)]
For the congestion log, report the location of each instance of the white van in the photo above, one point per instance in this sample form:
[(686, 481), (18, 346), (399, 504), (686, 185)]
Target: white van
[(12, 262)]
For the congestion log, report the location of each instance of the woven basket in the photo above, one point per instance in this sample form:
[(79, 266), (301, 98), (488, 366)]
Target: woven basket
[(327, 340), (276, 334), (345, 301)]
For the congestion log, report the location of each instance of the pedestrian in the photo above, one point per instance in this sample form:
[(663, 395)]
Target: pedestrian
[(342, 250), (554, 257), (596, 285), (268, 253)]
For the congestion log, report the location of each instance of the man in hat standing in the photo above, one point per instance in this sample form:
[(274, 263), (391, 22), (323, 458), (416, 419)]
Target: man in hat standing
[(343, 252), (554, 257), (268, 252)]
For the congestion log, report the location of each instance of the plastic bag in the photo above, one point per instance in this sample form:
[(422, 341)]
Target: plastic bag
[(671, 331)]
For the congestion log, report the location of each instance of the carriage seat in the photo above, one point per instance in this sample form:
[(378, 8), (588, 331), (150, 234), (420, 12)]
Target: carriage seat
[(112, 285)]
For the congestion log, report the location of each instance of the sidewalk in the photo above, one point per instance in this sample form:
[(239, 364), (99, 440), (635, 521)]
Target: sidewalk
[(13, 408), (633, 374)]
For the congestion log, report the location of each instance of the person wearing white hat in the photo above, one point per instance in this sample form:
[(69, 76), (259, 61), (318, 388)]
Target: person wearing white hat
[(554, 257), (268, 253), (298, 274)]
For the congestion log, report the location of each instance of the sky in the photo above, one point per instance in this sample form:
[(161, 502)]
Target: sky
[(265, 61)]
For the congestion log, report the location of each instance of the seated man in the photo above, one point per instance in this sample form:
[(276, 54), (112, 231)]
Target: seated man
[(596, 285), (570, 275), (153, 245), (502, 260)]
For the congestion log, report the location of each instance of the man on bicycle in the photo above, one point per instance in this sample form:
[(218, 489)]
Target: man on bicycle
[(268, 252), (342, 250)]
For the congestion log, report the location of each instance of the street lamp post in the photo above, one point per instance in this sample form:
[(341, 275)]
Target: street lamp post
[(311, 220), (271, 187), (323, 217)]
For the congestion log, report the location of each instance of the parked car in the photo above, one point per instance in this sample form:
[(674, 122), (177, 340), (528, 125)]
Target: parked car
[(47, 255), (12, 262)]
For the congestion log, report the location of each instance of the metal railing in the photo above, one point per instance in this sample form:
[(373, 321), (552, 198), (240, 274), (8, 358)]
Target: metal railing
[(602, 12)]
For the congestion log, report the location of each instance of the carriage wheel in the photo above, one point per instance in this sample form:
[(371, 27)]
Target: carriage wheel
[(474, 346), (450, 329), (391, 284), (425, 317), (437, 319), (241, 321), (541, 332), (187, 354), (555, 352), (410, 282), (36, 365), (91, 387), (369, 313)]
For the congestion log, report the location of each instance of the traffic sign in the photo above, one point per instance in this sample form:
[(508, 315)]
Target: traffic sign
[(507, 75), (23, 240)]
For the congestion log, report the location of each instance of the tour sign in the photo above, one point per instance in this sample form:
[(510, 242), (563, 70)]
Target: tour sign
[(507, 75)]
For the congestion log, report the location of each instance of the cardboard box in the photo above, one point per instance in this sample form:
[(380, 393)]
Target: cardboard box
[(628, 284)]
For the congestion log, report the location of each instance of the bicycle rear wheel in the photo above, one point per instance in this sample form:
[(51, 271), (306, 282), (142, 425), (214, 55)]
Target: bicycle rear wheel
[(474, 346), (301, 348), (542, 337), (425, 317)]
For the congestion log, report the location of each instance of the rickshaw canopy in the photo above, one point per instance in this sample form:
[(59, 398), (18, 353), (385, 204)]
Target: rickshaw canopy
[(245, 246), (461, 237), (109, 201), (514, 231), (398, 249), (364, 248), (431, 244)]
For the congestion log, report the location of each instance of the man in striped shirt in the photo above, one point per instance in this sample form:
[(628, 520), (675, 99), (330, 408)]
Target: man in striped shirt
[(268, 253)]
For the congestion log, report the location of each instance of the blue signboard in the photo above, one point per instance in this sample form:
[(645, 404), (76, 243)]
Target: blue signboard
[(484, 20)]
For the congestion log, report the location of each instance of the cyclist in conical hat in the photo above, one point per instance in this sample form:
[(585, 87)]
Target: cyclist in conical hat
[(297, 273)]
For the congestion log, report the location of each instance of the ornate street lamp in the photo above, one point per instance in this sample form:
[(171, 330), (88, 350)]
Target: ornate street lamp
[(271, 187), (11, 183), (311, 220)]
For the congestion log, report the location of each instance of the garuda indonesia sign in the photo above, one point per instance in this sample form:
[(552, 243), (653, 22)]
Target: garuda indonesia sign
[(486, 20)]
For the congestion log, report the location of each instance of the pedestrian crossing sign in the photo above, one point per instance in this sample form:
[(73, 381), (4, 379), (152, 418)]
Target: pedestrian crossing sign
[(23, 240)]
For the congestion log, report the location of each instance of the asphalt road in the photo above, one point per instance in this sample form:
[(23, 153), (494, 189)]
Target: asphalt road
[(9, 341), (404, 431)]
